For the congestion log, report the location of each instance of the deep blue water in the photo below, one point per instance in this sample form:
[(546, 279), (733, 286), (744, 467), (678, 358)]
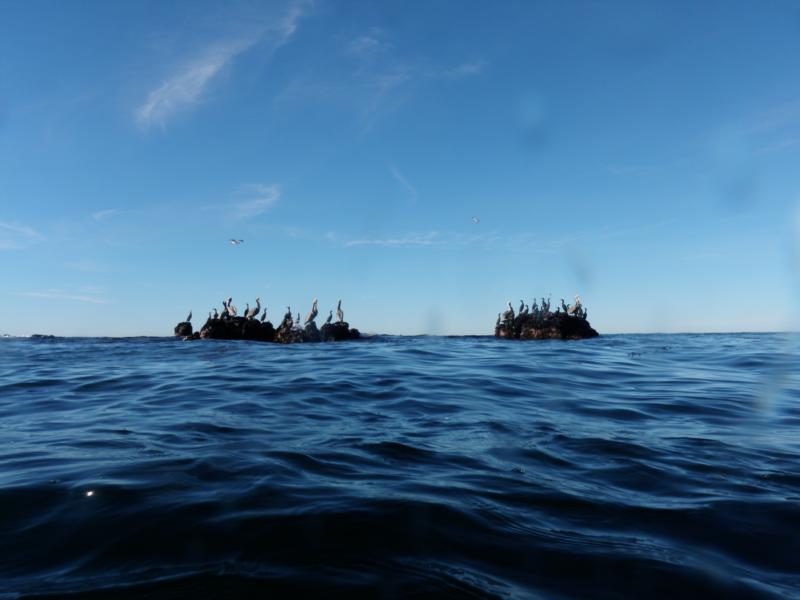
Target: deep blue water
[(625, 466)]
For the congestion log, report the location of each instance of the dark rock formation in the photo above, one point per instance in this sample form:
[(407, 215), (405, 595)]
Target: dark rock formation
[(239, 328), (183, 328), (336, 332), (551, 326)]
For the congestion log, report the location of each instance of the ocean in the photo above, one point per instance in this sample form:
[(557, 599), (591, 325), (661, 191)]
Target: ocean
[(627, 466)]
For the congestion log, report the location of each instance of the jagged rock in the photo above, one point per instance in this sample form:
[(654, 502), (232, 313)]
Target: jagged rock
[(290, 335), (336, 332), (238, 328), (552, 326), (183, 328), (312, 333)]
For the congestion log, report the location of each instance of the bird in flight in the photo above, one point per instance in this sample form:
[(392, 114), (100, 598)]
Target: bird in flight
[(234, 242), (476, 220)]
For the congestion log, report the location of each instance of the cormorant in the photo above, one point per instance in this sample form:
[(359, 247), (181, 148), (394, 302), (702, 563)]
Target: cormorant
[(509, 314), (328, 320)]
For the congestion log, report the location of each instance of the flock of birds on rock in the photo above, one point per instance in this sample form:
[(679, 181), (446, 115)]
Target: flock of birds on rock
[(229, 311), (543, 311)]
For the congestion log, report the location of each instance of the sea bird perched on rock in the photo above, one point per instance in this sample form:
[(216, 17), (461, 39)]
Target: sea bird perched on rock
[(189, 318), (298, 319), (497, 324), (253, 312), (246, 310), (330, 317), (287, 318), (339, 312), (231, 308), (521, 306), (313, 313), (565, 307), (264, 315), (509, 314)]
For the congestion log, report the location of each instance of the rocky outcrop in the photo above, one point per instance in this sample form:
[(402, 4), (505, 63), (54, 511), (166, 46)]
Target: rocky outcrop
[(550, 326), (239, 328), (336, 332), (183, 329)]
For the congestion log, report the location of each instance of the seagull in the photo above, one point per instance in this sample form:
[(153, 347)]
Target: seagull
[(235, 242), (328, 320), (476, 220), (313, 313), (339, 313), (189, 318)]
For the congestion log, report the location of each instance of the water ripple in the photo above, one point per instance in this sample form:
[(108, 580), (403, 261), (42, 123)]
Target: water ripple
[(625, 466)]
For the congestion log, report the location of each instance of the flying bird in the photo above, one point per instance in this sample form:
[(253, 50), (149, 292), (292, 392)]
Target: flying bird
[(235, 242), (476, 220)]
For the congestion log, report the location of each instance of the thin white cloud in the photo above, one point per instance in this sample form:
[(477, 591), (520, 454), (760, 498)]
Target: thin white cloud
[(404, 182), (55, 294), (14, 236), (261, 197), (380, 78), (368, 47), (467, 69), (102, 215), (187, 85), (412, 239)]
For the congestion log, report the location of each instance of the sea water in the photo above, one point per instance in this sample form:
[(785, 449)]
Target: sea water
[(624, 466)]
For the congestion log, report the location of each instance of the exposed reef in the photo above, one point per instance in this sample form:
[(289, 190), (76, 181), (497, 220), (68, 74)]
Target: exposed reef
[(228, 326), (540, 323)]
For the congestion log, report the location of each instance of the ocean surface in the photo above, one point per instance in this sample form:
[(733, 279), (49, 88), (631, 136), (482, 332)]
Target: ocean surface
[(629, 466)]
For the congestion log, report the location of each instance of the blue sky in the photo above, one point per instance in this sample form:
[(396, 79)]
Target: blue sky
[(644, 155)]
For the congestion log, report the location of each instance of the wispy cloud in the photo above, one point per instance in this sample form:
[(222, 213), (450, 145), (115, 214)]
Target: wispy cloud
[(516, 242), (55, 294), (190, 80), (368, 47), (254, 199), (263, 197), (14, 236), (102, 215), (412, 239), (467, 69), (404, 182), (377, 78)]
